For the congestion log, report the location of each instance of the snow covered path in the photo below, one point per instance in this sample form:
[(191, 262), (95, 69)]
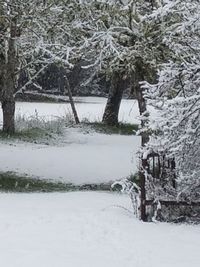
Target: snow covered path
[(87, 229), (80, 158)]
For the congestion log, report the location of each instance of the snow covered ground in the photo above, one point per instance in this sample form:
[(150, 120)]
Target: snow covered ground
[(83, 229), (90, 108), (80, 157), (87, 229)]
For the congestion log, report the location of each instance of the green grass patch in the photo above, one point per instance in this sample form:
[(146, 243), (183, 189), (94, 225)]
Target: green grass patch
[(12, 182), (37, 129), (121, 128), (27, 135)]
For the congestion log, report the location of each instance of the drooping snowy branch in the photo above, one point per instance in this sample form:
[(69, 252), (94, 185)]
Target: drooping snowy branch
[(176, 96)]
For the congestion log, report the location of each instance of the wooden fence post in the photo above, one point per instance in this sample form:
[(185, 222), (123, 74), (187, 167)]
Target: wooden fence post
[(143, 216)]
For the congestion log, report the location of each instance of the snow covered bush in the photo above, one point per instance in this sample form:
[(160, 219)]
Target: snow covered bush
[(176, 96), (131, 188)]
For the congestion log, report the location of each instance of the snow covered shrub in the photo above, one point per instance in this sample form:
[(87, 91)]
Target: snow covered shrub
[(129, 186), (176, 96)]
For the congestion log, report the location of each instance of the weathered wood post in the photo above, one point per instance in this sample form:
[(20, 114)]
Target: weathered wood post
[(137, 76), (143, 216)]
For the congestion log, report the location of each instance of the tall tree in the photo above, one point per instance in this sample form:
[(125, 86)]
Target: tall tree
[(33, 35), (120, 40)]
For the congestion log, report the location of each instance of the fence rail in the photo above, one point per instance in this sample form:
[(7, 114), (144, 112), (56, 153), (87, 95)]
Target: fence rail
[(173, 203)]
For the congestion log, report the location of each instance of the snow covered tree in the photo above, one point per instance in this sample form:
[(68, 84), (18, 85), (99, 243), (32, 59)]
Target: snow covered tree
[(123, 46), (33, 35), (176, 96)]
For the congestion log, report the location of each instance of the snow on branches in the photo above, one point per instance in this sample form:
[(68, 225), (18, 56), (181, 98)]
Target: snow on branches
[(176, 96), (117, 36), (47, 32)]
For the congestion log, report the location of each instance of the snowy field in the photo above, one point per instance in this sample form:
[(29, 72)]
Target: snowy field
[(87, 229), (83, 229), (90, 108), (80, 157)]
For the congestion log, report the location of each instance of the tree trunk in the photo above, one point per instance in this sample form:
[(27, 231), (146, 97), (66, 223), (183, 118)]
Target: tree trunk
[(111, 112), (9, 78), (8, 108), (68, 90)]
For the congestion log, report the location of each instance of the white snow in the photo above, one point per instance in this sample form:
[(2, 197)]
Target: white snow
[(82, 158), (83, 229), (87, 229), (90, 108)]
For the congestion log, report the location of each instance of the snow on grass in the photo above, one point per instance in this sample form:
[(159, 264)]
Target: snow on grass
[(88, 229), (75, 157), (79, 158)]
